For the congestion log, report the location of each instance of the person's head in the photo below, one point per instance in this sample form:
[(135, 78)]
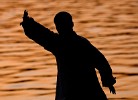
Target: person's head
[(63, 22)]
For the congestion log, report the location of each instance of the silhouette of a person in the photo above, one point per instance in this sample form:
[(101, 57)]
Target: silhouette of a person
[(76, 59)]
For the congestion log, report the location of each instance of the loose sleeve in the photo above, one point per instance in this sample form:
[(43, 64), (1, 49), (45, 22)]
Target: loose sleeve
[(104, 69), (39, 34), (98, 61), (101, 64)]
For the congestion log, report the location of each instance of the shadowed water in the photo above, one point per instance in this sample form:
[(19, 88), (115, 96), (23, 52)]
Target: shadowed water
[(28, 72)]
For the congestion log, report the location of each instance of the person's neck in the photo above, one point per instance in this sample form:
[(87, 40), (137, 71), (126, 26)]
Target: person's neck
[(68, 34)]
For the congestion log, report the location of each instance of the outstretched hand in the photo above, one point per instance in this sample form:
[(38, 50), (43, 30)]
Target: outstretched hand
[(25, 16), (112, 89)]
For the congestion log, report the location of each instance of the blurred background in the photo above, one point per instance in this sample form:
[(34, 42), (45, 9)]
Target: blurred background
[(28, 72)]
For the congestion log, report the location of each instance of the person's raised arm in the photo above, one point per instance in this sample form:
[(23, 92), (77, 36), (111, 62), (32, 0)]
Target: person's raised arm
[(37, 32)]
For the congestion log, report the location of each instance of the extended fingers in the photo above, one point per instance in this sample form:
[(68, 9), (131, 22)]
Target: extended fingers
[(25, 13), (112, 90)]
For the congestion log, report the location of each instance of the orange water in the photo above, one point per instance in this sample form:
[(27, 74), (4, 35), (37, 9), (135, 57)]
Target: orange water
[(28, 72)]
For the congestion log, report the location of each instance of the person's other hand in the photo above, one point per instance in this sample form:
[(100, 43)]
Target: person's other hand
[(112, 89)]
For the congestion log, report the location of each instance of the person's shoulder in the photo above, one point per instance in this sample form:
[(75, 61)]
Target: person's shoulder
[(82, 38), (86, 41)]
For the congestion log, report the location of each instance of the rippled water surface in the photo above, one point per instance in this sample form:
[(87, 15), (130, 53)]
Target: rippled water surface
[(28, 72)]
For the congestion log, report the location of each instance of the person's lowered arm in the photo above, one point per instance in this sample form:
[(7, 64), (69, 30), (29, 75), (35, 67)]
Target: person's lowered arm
[(105, 71)]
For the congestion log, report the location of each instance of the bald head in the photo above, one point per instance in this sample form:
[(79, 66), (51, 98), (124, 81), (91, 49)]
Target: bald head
[(63, 21)]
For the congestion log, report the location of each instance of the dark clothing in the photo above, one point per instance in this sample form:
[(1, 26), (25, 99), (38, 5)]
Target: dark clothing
[(76, 60)]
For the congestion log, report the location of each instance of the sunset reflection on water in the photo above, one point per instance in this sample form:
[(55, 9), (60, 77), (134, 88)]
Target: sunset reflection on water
[(28, 72)]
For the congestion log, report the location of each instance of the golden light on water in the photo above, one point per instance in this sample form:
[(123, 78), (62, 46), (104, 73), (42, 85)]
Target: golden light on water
[(28, 72)]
